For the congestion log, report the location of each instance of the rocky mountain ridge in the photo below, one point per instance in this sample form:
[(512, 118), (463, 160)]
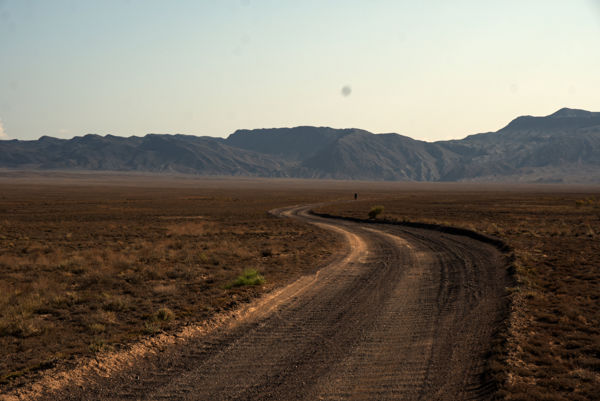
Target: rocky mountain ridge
[(561, 147)]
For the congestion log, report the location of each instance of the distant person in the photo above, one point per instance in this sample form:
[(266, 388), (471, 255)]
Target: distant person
[(355, 196)]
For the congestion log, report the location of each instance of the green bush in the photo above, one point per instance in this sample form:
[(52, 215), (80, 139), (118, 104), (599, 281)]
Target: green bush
[(249, 277), (375, 211)]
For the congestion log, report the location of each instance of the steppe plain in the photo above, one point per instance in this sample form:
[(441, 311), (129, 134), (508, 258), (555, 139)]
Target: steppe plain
[(93, 263)]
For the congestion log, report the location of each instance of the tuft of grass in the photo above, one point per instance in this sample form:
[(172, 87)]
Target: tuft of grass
[(18, 315), (151, 327), (154, 322), (97, 328), (99, 345), (114, 303), (248, 277), (165, 314), (21, 327)]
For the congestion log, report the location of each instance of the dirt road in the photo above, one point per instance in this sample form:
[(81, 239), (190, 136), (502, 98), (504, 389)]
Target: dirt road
[(405, 313)]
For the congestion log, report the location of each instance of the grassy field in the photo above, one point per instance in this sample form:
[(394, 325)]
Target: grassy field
[(551, 350), (91, 263)]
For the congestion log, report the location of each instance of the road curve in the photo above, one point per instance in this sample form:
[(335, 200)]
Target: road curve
[(405, 314)]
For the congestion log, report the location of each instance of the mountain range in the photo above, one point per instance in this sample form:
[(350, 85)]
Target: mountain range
[(561, 147)]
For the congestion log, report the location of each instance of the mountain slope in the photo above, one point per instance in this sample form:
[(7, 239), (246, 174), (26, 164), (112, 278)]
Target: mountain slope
[(568, 139), (294, 144), (561, 147), (367, 156), (321, 152), (155, 153)]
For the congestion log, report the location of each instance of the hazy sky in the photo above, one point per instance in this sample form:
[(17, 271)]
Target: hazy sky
[(427, 69)]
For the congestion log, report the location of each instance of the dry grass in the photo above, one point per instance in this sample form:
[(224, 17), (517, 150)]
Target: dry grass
[(87, 268), (551, 350)]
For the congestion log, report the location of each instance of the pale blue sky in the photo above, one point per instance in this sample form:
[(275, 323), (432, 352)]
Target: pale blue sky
[(431, 70)]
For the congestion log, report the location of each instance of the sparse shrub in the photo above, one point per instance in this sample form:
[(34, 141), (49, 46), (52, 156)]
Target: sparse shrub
[(249, 277), (75, 265), (165, 314), (21, 327), (114, 304), (97, 328), (65, 300), (589, 231), (17, 316), (164, 289), (151, 327), (375, 211), (98, 345)]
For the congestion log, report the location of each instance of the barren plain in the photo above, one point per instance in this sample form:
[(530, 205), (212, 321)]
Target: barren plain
[(93, 265)]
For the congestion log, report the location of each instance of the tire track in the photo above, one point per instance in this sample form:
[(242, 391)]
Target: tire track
[(407, 314)]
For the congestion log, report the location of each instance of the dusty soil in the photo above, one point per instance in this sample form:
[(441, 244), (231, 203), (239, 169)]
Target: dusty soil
[(404, 314)]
